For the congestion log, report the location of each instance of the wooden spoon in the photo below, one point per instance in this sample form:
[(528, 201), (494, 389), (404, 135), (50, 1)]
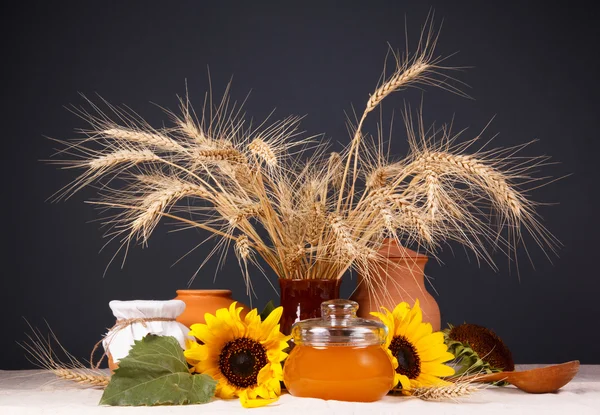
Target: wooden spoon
[(541, 380)]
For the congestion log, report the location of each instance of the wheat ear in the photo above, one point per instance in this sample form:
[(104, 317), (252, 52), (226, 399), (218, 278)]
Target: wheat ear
[(442, 393), (401, 78), (344, 242), (422, 68), (81, 377), (494, 181), (156, 202), (152, 139), (131, 157), (263, 151), (228, 154), (41, 352)]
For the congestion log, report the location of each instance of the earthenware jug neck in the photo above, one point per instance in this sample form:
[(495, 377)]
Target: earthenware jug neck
[(205, 293)]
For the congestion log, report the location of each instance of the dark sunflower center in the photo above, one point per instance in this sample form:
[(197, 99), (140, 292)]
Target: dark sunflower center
[(241, 360), (409, 363)]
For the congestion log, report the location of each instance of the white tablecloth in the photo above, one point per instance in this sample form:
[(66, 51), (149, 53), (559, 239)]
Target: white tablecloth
[(36, 392)]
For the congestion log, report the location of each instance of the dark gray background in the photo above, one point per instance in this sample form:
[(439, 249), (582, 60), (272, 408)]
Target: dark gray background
[(535, 68)]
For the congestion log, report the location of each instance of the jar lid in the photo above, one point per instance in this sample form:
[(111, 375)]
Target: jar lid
[(339, 326), (146, 308)]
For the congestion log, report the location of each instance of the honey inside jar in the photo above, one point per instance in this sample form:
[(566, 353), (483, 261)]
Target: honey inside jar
[(339, 357)]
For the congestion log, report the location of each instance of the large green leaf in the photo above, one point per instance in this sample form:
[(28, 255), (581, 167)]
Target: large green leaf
[(155, 373)]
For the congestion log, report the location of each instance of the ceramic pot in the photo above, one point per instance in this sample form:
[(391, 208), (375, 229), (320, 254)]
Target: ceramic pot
[(302, 298), (200, 302), (402, 279)]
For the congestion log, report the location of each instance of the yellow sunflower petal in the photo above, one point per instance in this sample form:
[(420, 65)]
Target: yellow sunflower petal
[(232, 309), (416, 319), (264, 374), (416, 383), (251, 316), (388, 320), (381, 316), (272, 319), (277, 371), (434, 352), (196, 353), (276, 356), (229, 323), (427, 341), (275, 337), (443, 358), (252, 323), (423, 330), (392, 359), (401, 310), (189, 344), (226, 391), (403, 381), (430, 380), (203, 333), (247, 402), (274, 387), (213, 372), (436, 369), (210, 320)]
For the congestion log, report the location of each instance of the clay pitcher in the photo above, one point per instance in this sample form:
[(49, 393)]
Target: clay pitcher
[(402, 279), (200, 302)]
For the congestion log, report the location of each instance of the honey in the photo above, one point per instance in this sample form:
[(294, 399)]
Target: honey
[(360, 374), (339, 356)]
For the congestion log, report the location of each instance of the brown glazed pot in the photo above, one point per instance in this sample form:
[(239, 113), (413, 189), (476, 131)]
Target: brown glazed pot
[(401, 280), (301, 299), (200, 302)]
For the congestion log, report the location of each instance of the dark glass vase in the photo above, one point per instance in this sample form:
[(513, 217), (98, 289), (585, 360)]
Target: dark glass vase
[(301, 299)]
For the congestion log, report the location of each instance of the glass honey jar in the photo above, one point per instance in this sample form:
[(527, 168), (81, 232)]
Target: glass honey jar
[(339, 356)]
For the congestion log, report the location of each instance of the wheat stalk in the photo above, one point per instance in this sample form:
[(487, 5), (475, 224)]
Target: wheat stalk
[(230, 155), (82, 378), (42, 352), (493, 181), (151, 139), (344, 242), (403, 77), (308, 213), (263, 150), (423, 67), (156, 202), (131, 157), (443, 393), (315, 223)]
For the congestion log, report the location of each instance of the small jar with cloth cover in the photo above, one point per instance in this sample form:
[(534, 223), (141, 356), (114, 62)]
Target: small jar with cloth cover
[(138, 318)]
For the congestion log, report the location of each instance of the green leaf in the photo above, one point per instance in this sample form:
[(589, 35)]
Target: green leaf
[(155, 372), (267, 310)]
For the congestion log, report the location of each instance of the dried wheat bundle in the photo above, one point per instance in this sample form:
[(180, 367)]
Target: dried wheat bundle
[(308, 213), (41, 353)]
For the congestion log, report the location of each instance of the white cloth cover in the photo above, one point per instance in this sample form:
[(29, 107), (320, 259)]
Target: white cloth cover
[(120, 340)]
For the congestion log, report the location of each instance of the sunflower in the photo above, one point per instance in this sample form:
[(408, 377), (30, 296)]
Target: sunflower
[(243, 356), (418, 353)]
